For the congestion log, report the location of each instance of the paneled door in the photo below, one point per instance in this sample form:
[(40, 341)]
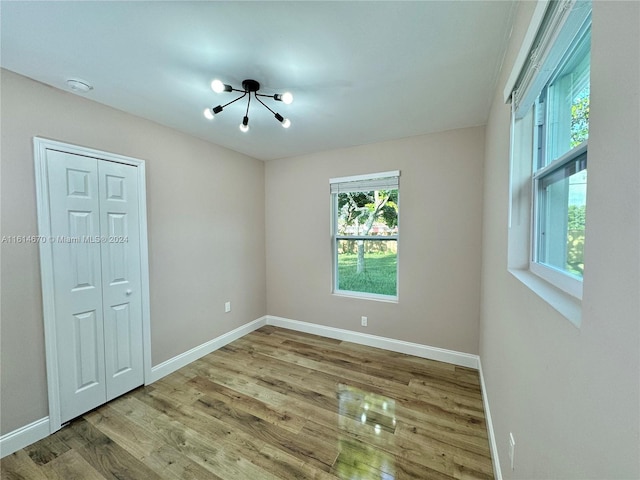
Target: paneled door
[(95, 245), (120, 277)]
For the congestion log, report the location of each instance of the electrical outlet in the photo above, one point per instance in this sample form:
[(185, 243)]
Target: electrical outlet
[(363, 321), (512, 449), (227, 307)]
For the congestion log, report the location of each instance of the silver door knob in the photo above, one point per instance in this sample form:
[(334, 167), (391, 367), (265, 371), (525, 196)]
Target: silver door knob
[(129, 292)]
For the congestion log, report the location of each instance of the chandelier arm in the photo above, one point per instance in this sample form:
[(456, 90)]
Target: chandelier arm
[(248, 103), (233, 101), (264, 104)]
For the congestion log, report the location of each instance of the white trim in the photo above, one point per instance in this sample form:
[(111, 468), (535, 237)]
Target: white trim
[(366, 176), (46, 274), (24, 436), (40, 147), (493, 446), (144, 269), (558, 278), (561, 279), (400, 346), (35, 431), (184, 359), (377, 297), (567, 305)]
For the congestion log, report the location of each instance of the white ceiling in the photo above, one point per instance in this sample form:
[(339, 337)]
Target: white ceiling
[(360, 72)]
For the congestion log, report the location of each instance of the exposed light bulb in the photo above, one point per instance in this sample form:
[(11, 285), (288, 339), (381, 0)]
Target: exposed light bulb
[(208, 114), (287, 98), (217, 86), (244, 126), (286, 123)]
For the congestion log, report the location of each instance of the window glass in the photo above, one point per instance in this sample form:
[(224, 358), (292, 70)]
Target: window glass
[(366, 236), (567, 100), (562, 206)]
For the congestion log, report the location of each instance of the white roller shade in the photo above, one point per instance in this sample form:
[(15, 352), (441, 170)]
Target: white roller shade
[(365, 183), (563, 21)]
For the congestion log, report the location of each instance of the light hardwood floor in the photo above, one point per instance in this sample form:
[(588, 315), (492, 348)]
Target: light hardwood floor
[(279, 404)]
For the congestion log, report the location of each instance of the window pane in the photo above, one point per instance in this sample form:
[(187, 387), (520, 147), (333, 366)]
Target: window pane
[(562, 207), (368, 266), (368, 213), (568, 103)]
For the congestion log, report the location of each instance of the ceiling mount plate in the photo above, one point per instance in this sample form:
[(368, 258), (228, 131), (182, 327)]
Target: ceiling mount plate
[(250, 85)]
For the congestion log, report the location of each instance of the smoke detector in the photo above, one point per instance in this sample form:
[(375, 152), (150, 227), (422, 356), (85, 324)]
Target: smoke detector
[(79, 86)]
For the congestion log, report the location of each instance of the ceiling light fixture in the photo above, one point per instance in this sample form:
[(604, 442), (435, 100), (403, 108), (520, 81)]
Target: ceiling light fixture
[(249, 86)]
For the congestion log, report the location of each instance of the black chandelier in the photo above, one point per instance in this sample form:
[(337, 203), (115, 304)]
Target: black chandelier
[(249, 86)]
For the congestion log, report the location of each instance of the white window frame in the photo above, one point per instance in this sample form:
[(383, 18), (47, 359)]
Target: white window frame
[(551, 34), (366, 182), (563, 280)]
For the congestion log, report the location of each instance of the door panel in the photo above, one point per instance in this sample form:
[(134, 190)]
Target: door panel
[(118, 250), (85, 346), (122, 355), (74, 211), (82, 266), (121, 277)]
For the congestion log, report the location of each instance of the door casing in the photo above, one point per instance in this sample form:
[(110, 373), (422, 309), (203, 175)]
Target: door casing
[(40, 147)]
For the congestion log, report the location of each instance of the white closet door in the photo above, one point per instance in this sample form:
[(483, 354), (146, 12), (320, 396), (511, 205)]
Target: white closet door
[(94, 212), (74, 212), (119, 226)]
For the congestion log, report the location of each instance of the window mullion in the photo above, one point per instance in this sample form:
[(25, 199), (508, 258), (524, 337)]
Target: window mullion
[(382, 238), (568, 157)]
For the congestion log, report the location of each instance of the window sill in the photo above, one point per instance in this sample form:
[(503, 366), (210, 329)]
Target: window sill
[(366, 296), (567, 305)]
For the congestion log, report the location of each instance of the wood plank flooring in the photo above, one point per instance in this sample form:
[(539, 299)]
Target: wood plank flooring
[(278, 404)]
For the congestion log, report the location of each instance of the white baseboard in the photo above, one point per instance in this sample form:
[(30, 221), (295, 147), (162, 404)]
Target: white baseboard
[(497, 471), (184, 359), (31, 433), (400, 346), (24, 436)]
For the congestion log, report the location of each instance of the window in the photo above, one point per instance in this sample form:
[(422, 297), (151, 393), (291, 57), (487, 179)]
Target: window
[(365, 235), (549, 90), (560, 172)]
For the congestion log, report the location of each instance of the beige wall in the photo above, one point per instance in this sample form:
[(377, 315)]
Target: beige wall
[(205, 225), (571, 396), (439, 247)]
